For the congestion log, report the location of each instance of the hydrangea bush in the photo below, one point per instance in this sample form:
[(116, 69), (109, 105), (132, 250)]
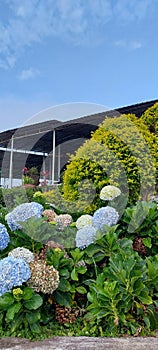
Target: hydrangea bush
[(22, 213), (4, 237)]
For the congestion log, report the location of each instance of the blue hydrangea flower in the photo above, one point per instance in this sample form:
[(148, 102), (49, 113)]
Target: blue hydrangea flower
[(84, 220), (13, 272), (85, 236), (22, 213), (4, 237), (105, 216)]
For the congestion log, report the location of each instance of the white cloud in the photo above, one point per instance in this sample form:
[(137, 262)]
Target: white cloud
[(132, 10), (28, 74), (80, 21), (128, 44)]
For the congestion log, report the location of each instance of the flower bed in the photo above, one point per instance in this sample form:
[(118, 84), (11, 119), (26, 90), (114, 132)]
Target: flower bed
[(91, 277)]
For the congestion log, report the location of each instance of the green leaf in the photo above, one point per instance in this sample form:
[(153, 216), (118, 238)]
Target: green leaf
[(81, 290), (63, 298), (145, 298), (16, 323), (35, 328), (27, 293), (35, 302), (64, 285), (147, 242), (6, 300), (81, 269), (33, 317), (64, 272), (74, 275), (12, 310)]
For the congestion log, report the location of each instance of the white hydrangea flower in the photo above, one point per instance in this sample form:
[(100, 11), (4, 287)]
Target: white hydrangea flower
[(84, 220), (21, 252), (109, 192)]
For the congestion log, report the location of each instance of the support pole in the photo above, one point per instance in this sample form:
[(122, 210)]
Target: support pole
[(11, 164), (59, 163), (53, 159)]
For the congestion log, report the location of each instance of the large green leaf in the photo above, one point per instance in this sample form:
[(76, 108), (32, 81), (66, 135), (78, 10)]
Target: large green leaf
[(33, 317), (6, 300), (34, 303), (145, 298), (64, 285), (63, 298), (12, 310), (27, 293), (74, 275)]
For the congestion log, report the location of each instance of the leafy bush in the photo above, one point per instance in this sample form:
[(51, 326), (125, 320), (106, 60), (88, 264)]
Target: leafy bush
[(11, 197), (121, 152), (150, 118)]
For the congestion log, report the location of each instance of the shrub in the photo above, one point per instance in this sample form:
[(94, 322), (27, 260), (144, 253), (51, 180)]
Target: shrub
[(150, 118), (12, 197), (122, 152)]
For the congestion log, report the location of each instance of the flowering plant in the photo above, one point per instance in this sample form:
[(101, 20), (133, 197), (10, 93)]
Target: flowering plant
[(21, 252), (13, 272), (4, 237), (44, 278), (22, 213), (105, 216), (84, 220), (109, 192), (50, 214), (63, 219), (85, 236)]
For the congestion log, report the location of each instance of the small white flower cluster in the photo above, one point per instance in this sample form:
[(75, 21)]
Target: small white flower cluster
[(108, 193), (84, 220), (21, 252)]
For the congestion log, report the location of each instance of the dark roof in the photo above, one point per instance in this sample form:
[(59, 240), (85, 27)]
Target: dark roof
[(38, 137)]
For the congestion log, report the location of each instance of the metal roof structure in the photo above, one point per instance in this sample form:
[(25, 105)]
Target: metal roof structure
[(48, 143)]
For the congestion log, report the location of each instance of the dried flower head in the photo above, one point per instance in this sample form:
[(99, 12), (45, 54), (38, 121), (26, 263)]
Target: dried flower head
[(49, 214), (44, 278), (63, 220)]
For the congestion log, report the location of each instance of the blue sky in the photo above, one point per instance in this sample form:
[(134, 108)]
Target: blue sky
[(61, 51)]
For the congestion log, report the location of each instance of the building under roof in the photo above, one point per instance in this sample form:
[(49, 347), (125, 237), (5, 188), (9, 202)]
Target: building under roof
[(47, 145)]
